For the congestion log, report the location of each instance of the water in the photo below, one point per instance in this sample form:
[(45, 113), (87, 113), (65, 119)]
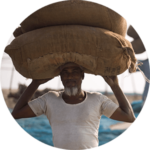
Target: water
[(39, 127)]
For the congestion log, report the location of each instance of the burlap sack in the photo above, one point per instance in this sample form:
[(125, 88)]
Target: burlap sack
[(38, 54), (17, 32), (131, 32), (75, 12)]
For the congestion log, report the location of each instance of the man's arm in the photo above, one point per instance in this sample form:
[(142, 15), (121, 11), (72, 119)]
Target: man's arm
[(125, 111), (22, 109)]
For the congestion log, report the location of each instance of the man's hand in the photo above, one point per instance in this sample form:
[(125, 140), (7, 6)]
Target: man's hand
[(124, 112), (111, 80), (22, 109), (40, 81)]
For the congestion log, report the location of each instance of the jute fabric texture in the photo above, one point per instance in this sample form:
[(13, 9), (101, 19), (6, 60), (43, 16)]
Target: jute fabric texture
[(39, 53), (75, 12)]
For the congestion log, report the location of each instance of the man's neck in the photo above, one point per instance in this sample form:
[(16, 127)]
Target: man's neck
[(74, 99)]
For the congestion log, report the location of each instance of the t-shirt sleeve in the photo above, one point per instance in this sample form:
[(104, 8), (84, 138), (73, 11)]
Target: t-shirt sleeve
[(38, 105), (108, 107)]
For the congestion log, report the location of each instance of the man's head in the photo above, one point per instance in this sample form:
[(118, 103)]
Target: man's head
[(71, 77)]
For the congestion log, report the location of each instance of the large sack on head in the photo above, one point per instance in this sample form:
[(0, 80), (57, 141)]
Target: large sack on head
[(131, 32), (38, 54), (17, 32), (75, 12)]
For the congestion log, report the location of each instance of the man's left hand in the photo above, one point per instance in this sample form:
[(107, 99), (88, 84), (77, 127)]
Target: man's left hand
[(111, 80)]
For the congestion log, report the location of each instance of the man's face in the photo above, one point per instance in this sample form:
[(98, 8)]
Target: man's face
[(71, 77)]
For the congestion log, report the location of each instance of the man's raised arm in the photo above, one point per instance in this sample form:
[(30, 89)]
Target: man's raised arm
[(22, 109), (125, 111)]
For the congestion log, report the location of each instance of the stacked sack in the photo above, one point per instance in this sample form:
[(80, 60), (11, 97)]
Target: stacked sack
[(82, 32)]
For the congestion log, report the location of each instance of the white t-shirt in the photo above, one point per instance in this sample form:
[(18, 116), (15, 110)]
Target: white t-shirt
[(74, 126)]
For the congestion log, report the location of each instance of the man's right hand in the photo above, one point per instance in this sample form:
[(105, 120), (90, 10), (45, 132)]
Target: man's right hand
[(40, 81), (22, 109)]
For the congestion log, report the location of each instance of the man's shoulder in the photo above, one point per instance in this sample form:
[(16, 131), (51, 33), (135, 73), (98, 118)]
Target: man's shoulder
[(93, 93), (96, 95), (52, 94)]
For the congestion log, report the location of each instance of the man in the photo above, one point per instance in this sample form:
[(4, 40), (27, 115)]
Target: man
[(73, 113), (139, 47)]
